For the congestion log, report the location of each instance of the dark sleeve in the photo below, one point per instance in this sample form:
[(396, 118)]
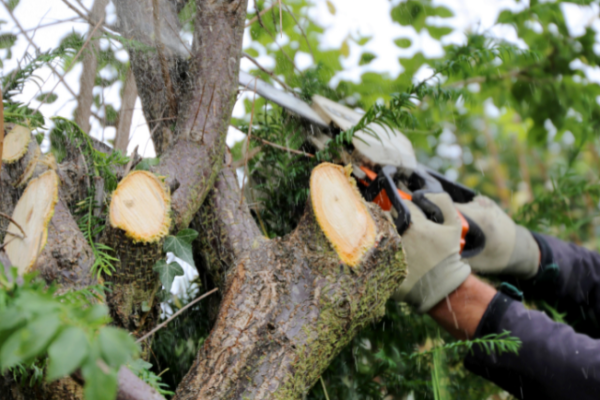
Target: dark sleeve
[(553, 363), (569, 281)]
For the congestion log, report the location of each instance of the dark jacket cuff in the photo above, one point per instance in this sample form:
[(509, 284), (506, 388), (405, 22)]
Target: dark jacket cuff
[(545, 283), (490, 322)]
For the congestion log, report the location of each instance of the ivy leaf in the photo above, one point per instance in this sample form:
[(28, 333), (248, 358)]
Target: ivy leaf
[(146, 164), (116, 345), (167, 272), (187, 235), (180, 247), (66, 353)]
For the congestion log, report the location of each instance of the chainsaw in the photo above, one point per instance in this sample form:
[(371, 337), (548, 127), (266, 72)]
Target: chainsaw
[(383, 162)]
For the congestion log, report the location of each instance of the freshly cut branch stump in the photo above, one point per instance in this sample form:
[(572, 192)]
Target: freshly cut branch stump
[(341, 212), (19, 156), (292, 304), (33, 213), (139, 221), (140, 207), (16, 144)]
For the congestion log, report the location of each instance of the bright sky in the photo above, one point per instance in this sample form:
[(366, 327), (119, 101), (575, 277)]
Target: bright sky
[(351, 18)]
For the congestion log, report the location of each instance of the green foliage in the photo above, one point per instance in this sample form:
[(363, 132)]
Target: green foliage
[(64, 331), (100, 165), (167, 272)]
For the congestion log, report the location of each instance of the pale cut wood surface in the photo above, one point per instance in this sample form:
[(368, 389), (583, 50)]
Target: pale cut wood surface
[(15, 144), (33, 213), (140, 207), (341, 212)]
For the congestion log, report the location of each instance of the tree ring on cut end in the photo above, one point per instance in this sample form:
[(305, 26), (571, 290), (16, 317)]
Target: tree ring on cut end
[(140, 206), (341, 212), (33, 213), (16, 144)]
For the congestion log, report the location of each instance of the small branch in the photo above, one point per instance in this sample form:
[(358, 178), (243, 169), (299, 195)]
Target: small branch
[(162, 325), (1, 128), (280, 19), (164, 66), (270, 73), (8, 217), (82, 15), (258, 15), (301, 30), (51, 24), (91, 35), (18, 24), (481, 79), (277, 146), (248, 137)]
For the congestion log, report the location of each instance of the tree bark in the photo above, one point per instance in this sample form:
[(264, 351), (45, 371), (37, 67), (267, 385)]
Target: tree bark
[(87, 81), (128, 99), (291, 306)]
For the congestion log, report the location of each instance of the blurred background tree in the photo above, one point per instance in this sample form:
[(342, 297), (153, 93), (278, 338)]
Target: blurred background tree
[(512, 111)]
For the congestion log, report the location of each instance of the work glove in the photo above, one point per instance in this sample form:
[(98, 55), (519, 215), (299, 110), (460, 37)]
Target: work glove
[(432, 253), (509, 248)]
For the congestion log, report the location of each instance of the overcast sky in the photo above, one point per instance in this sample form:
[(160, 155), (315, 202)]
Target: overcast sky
[(351, 18)]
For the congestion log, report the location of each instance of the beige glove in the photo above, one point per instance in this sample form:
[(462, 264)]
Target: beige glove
[(432, 252), (509, 248)]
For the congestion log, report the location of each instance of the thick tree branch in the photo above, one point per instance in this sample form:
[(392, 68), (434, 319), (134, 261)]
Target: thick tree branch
[(136, 25), (87, 81), (291, 305), (128, 99)]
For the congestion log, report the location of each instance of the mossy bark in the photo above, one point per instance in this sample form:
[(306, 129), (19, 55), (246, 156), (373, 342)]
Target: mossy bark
[(133, 284), (290, 307)]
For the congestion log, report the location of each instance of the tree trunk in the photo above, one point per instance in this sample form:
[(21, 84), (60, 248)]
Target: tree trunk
[(87, 81), (128, 99), (292, 304)]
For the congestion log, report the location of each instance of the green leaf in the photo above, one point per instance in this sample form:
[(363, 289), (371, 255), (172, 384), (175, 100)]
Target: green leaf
[(66, 353), (364, 40), (443, 12), (10, 318), (345, 49), (7, 40), (403, 43), (100, 384), (47, 98), (437, 32), (187, 235), (331, 7), (366, 58), (180, 247), (116, 345), (29, 341), (167, 272), (146, 164)]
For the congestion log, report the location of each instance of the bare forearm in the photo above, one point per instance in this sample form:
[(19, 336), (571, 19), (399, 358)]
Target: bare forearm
[(461, 311)]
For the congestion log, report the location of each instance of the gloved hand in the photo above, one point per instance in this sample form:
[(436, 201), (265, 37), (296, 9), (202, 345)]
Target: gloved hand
[(509, 248), (432, 252)]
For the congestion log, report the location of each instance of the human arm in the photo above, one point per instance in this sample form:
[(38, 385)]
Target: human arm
[(553, 361), (564, 275)]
